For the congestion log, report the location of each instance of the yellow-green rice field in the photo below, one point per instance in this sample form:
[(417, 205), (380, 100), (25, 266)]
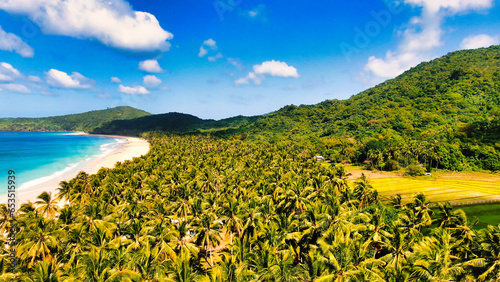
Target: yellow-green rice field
[(456, 188)]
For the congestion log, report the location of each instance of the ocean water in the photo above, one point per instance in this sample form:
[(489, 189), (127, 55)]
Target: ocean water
[(35, 155)]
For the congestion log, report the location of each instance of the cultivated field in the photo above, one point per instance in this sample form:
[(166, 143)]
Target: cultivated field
[(456, 188)]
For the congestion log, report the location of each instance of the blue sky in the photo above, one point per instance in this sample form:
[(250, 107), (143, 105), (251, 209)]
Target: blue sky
[(217, 59)]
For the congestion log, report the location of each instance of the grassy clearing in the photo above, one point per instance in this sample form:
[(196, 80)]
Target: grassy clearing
[(471, 191), (456, 188)]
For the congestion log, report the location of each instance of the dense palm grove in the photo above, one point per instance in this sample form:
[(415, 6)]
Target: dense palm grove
[(204, 208)]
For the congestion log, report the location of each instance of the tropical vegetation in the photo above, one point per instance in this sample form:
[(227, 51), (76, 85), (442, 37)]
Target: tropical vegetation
[(245, 199), (75, 122), (212, 209)]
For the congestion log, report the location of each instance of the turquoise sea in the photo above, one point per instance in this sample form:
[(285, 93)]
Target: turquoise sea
[(33, 155)]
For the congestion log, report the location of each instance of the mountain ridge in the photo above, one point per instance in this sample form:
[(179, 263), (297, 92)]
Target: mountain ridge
[(445, 112)]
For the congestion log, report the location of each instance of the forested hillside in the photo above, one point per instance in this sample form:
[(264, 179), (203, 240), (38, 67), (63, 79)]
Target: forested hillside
[(440, 114), (199, 208), (443, 113), (173, 123), (75, 122)]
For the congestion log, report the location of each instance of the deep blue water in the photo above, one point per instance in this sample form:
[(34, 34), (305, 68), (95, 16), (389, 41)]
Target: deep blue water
[(33, 155)]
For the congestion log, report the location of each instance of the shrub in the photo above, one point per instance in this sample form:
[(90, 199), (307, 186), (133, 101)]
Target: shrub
[(391, 165), (414, 170)]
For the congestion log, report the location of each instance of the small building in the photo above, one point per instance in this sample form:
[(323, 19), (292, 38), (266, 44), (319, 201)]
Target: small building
[(319, 158)]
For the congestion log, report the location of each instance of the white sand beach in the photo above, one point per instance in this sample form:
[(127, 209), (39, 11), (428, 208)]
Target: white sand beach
[(130, 148)]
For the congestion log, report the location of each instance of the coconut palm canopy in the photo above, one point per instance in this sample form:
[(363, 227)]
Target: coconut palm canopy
[(210, 209)]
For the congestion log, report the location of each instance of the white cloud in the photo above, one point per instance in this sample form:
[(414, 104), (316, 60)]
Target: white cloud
[(215, 58), (454, 6), (8, 72), (276, 68), (479, 41), (272, 68), (250, 78), (13, 87), (202, 52), (151, 81), (150, 66), (115, 79), (422, 36), (210, 43), (12, 42), (235, 62), (34, 78), (60, 79), (257, 13), (136, 90), (113, 23)]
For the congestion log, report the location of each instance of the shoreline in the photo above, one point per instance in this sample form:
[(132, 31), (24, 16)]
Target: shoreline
[(127, 150)]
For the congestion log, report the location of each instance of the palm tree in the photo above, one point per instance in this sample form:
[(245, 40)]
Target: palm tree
[(397, 249), (207, 235), (47, 205), (65, 190), (422, 210), (44, 271), (364, 192), (433, 259), (449, 218), (489, 262), (39, 240)]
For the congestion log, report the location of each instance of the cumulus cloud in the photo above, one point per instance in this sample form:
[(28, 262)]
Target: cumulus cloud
[(150, 66), (16, 88), (250, 78), (115, 79), (210, 43), (422, 36), (151, 81), (479, 41), (8, 73), (276, 68), (60, 79), (202, 52), (215, 58), (257, 13), (34, 78), (235, 62), (136, 90), (453, 6), (11, 42), (113, 23), (268, 68)]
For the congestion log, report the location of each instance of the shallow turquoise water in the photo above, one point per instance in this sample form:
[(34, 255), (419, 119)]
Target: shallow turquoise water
[(33, 155)]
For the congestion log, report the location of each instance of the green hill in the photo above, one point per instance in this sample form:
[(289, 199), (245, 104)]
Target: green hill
[(441, 114), (445, 112), (173, 123), (75, 122)]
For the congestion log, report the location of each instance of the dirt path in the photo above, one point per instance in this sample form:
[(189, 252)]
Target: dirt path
[(356, 173)]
